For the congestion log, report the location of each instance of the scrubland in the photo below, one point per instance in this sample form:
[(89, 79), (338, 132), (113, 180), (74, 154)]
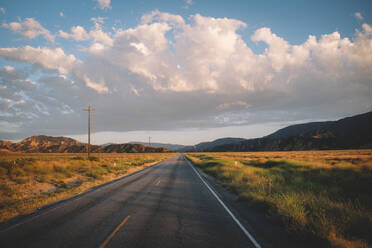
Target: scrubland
[(29, 181), (317, 195)]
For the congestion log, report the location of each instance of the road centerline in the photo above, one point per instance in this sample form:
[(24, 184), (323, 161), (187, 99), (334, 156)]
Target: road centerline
[(108, 239)]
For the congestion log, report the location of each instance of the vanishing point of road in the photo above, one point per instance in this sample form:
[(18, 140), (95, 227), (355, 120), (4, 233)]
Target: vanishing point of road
[(166, 205)]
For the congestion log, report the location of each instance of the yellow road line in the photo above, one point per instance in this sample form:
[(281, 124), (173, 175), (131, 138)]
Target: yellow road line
[(157, 183), (114, 232)]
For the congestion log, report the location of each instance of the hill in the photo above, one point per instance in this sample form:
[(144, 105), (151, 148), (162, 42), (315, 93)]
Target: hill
[(209, 146), (130, 148), (348, 133), (49, 144), (172, 147)]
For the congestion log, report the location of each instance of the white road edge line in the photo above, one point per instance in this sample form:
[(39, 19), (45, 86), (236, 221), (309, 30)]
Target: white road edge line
[(251, 238)]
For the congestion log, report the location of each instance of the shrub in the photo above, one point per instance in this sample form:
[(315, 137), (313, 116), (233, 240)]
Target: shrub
[(92, 158), (96, 172), (18, 172)]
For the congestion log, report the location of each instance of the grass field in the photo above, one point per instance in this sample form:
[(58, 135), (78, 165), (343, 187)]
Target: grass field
[(316, 194), (29, 181)]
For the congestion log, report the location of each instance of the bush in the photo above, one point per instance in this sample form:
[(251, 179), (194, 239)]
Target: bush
[(92, 158), (77, 158), (96, 172), (3, 171), (18, 172), (63, 170)]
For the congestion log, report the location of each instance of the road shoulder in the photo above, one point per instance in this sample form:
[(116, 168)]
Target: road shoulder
[(268, 231)]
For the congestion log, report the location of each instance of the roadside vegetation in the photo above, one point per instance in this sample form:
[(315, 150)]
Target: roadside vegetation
[(322, 195), (29, 181)]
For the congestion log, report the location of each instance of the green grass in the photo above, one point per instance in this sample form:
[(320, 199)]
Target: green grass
[(325, 195), (29, 181)]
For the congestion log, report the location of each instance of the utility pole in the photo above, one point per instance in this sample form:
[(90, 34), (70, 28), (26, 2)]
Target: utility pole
[(89, 109), (149, 141)]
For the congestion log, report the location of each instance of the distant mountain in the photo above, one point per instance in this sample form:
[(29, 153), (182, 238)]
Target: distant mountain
[(347, 133), (48, 144), (172, 147), (107, 144), (43, 144), (209, 146), (131, 148)]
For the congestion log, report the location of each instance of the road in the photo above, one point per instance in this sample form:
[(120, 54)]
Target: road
[(166, 205)]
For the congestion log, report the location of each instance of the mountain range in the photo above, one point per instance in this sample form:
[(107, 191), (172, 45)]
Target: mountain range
[(172, 147), (46, 144), (348, 133)]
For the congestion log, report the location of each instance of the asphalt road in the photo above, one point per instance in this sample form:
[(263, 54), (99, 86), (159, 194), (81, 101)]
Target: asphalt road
[(167, 205)]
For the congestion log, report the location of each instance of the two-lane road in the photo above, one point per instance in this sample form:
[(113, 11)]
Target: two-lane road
[(167, 205)]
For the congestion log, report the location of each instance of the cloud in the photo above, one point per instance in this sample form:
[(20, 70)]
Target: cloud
[(2, 10), (78, 33), (188, 3), (29, 28), (156, 15), (169, 72), (47, 58), (98, 20), (100, 36), (237, 104), (9, 68), (104, 4), (358, 15), (99, 87)]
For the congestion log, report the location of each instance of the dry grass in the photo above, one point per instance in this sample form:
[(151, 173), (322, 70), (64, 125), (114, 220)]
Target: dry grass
[(317, 194), (29, 181)]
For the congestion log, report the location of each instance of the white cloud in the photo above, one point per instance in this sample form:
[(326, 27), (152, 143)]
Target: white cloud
[(188, 3), (2, 10), (99, 87), (209, 55), (98, 20), (48, 58), (29, 28), (140, 47), (156, 15), (9, 68), (96, 48), (78, 33), (104, 4), (358, 15), (100, 36)]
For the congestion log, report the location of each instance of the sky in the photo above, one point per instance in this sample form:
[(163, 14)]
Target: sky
[(180, 71)]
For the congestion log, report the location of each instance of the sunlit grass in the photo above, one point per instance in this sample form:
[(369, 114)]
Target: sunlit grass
[(29, 181), (323, 194)]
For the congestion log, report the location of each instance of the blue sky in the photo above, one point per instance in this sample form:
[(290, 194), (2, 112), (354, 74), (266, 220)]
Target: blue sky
[(294, 20), (199, 70)]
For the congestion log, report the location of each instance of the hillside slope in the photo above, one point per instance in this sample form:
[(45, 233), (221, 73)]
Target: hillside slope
[(209, 146), (348, 133)]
